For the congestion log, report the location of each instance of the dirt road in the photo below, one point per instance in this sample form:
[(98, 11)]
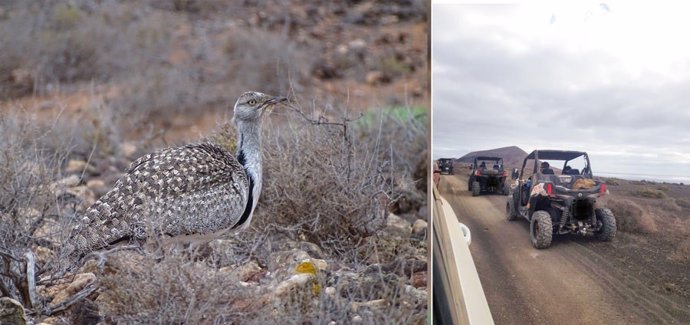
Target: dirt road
[(569, 283)]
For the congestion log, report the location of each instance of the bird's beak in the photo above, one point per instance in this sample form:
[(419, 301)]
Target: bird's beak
[(276, 100)]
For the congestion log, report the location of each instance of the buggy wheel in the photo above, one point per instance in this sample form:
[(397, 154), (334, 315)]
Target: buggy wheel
[(476, 188), (541, 229), (511, 213), (608, 225), (506, 189)]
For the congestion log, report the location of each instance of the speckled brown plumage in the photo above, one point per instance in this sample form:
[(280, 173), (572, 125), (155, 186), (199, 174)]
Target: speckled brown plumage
[(194, 189)]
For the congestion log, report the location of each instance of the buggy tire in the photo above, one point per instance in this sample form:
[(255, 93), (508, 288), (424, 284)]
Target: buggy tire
[(608, 225), (506, 189), (476, 188), (541, 229), (511, 213)]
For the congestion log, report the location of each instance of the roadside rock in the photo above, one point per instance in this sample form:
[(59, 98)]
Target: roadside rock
[(11, 312)]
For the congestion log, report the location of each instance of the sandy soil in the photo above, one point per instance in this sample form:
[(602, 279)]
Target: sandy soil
[(575, 281)]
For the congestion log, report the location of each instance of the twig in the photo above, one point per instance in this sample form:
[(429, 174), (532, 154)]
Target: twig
[(31, 278)]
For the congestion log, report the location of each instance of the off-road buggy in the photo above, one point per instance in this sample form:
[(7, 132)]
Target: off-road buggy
[(557, 202), (487, 175), (446, 165)]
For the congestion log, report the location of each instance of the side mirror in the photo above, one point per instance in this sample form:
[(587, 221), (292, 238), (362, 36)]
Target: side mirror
[(515, 173)]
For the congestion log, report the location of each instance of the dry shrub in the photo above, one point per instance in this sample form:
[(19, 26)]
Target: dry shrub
[(612, 181), (649, 193), (682, 252), (175, 290), (683, 203), (33, 210), (669, 204), (630, 217), (27, 166), (183, 287), (332, 181)]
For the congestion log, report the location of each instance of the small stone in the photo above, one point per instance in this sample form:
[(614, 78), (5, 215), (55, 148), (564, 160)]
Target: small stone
[(128, 149), (84, 194), (356, 319), (80, 282), (70, 181), (29, 213), (417, 294), (243, 273), (12, 312), (95, 184), (43, 254), (419, 279), (376, 77), (295, 282), (79, 166), (419, 228), (357, 44), (397, 225), (51, 321), (330, 291)]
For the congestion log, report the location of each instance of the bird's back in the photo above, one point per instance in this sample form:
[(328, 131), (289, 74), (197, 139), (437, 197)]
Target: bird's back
[(198, 188)]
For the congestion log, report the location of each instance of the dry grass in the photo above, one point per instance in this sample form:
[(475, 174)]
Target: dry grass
[(630, 217), (332, 181), (648, 193)]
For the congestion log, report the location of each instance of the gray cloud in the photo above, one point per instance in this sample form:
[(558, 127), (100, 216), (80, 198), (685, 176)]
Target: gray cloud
[(496, 85)]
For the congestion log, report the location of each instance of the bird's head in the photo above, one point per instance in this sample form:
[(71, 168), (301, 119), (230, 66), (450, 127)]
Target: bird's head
[(252, 105)]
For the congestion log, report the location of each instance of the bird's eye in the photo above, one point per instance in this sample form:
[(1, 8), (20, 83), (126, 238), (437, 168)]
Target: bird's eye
[(252, 102)]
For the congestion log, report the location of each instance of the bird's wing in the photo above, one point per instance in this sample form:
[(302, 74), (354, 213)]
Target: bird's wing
[(178, 190)]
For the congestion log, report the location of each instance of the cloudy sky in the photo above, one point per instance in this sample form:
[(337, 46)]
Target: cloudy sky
[(612, 79)]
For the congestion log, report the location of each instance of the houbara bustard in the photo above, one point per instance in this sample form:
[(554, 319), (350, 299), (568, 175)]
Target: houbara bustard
[(194, 189)]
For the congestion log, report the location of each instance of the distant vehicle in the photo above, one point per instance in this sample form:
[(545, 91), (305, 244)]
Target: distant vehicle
[(446, 165), (559, 203), (487, 175)]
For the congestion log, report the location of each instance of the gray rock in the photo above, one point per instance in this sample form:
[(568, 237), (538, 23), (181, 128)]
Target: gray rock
[(11, 312), (398, 226)]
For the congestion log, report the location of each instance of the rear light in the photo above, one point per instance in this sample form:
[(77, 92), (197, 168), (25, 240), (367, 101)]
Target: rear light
[(478, 173), (505, 173), (549, 189), (602, 189)]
